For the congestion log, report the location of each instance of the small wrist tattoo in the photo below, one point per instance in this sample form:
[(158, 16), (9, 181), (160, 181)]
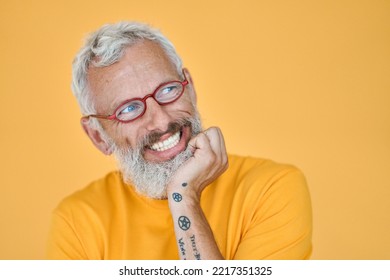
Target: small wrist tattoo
[(177, 197), (184, 223)]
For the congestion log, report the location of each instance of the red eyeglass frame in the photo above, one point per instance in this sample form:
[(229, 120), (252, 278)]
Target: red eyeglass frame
[(143, 100)]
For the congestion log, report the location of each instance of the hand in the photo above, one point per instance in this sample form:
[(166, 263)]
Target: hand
[(208, 162)]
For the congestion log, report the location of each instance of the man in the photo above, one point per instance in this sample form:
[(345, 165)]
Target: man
[(174, 196)]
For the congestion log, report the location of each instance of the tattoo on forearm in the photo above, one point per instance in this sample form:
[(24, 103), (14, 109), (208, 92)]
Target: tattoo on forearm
[(184, 223), (177, 197), (181, 248), (184, 185), (194, 248)]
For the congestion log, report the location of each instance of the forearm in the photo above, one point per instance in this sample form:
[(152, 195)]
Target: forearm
[(194, 237)]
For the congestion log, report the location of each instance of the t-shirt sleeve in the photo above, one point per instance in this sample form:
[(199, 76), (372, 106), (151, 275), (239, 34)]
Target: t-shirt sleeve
[(63, 242), (280, 224)]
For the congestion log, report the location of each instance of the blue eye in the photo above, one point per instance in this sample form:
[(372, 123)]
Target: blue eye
[(169, 92), (129, 109), (169, 89)]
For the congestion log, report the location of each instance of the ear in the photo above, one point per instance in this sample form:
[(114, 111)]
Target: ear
[(191, 84), (96, 137)]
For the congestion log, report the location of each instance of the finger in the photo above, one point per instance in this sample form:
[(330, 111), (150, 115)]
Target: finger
[(216, 140), (217, 143), (214, 137), (223, 147), (192, 147), (200, 143)]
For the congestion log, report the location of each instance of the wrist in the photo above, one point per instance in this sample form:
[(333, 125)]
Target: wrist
[(185, 198), (189, 189)]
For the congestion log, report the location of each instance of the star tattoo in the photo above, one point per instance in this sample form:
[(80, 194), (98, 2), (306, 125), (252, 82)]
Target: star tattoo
[(177, 197), (184, 223)]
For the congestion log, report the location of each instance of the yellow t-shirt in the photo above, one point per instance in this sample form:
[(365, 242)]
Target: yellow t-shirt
[(257, 209)]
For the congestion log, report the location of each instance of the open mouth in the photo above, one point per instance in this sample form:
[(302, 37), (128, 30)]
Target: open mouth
[(167, 144)]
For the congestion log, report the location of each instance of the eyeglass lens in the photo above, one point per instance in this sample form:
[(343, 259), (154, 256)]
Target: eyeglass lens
[(163, 95)]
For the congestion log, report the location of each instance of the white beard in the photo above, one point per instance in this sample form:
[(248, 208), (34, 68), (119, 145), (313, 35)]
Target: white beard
[(149, 178)]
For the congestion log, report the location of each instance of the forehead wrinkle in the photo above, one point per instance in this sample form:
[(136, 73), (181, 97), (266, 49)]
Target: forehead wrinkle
[(106, 85)]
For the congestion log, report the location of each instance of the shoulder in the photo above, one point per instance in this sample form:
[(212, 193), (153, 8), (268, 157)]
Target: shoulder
[(272, 186), (260, 180), (251, 170), (98, 193), (253, 180)]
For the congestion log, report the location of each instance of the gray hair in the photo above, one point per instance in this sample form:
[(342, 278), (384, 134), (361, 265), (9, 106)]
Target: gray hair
[(105, 47)]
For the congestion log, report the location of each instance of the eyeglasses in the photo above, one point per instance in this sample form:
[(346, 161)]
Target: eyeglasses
[(134, 108)]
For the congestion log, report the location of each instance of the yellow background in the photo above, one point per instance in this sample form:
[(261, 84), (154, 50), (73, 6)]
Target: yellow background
[(302, 82)]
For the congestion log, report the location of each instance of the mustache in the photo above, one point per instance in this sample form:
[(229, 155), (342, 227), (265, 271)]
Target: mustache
[(154, 136)]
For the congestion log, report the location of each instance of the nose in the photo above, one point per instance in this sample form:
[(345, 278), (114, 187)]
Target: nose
[(156, 116)]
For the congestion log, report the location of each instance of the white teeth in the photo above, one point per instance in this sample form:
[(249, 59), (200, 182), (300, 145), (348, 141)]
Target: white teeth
[(168, 143)]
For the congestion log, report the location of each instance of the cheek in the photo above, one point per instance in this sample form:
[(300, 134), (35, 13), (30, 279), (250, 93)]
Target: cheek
[(187, 106), (122, 135)]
